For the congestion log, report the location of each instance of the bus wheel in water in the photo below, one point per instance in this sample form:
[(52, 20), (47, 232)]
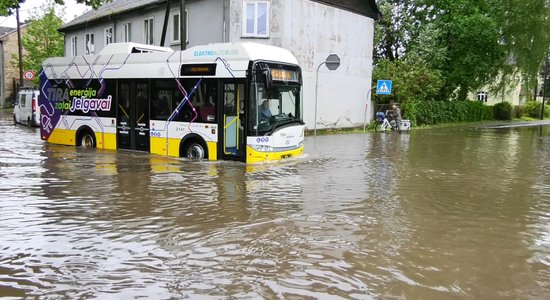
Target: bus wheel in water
[(87, 140), (195, 151)]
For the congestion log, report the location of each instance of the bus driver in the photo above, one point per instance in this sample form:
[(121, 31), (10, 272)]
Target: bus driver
[(264, 112)]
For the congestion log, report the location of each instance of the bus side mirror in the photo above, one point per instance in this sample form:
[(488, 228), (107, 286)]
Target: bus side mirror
[(268, 80)]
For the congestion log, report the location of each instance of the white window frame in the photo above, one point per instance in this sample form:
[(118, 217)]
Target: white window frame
[(108, 32), (176, 31), (255, 33), (482, 96), (127, 34), (90, 46), (74, 45), (149, 31)]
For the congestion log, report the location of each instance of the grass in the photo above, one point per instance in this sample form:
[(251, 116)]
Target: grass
[(370, 128)]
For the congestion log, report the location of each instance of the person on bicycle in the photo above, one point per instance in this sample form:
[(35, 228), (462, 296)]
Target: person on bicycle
[(396, 115)]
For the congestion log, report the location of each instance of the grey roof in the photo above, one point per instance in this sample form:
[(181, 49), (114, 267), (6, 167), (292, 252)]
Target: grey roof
[(4, 30), (108, 10), (364, 7)]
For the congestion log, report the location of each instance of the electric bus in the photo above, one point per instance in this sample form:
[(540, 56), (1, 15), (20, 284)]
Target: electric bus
[(206, 102)]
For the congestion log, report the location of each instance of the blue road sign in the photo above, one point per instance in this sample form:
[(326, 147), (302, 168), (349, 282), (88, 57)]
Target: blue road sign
[(383, 87)]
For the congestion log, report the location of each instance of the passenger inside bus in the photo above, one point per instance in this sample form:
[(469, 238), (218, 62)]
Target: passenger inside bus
[(207, 112)]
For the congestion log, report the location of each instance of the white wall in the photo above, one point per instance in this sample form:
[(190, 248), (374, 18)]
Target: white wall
[(312, 31)]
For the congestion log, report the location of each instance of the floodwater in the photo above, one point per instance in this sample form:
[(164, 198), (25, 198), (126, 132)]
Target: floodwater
[(459, 213)]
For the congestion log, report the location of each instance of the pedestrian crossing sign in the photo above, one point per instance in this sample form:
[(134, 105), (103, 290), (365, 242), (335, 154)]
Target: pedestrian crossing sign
[(383, 87)]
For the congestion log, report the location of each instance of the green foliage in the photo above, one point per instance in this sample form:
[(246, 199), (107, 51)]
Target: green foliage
[(469, 43), (532, 109), (518, 111), (502, 111), (437, 112), (410, 81), (7, 7)]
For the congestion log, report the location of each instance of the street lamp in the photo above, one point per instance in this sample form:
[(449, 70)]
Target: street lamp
[(332, 62)]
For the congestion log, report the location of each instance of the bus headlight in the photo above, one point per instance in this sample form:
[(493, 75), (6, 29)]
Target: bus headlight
[(262, 148)]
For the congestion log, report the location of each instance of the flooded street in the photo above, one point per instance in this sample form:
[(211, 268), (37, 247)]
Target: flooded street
[(435, 214)]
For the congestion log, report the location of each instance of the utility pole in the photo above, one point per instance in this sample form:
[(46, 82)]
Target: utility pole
[(545, 87), (19, 45), (183, 25)]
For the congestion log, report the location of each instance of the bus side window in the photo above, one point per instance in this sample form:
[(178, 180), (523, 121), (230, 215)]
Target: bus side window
[(207, 110), (161, 105)]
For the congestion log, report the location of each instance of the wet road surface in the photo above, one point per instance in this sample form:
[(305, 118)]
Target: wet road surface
[(460, 213)]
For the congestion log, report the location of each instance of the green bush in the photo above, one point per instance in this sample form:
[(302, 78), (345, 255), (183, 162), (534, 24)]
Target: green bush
[(436, 112), (518, 111), (532, 109), (502, 111)]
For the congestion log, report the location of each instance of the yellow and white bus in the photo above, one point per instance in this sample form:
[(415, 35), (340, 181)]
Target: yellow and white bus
[(234, 101)]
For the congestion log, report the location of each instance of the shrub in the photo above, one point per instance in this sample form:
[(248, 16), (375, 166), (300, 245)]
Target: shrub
[(435, 112), (518, 111), (502, 111), (532, 109)]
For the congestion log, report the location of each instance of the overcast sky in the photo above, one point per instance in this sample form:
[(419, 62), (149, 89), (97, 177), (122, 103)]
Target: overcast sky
[(68, 12)]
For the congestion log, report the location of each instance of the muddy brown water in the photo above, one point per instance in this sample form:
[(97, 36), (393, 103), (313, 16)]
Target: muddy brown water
[(460, 213)]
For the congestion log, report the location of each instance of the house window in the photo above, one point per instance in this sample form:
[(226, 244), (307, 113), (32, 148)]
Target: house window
[(176, 29), (256, 18), (482, 96), (90, 49), (74, 46), (127, 32), (148, 30), (108, 36)]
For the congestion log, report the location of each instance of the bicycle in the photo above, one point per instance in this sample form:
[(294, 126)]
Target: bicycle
[(383, 124)]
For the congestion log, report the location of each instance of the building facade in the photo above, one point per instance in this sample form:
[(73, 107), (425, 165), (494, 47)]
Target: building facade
[(9, 71), (311, 30)]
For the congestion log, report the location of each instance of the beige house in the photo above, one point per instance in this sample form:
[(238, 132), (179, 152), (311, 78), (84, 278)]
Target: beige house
[(9, 72), (515, 94)]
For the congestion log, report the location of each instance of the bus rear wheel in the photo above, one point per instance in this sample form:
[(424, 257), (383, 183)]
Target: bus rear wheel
[(87, 140), (195, 151)]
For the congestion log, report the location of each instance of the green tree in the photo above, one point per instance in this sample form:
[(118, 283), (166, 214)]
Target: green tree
[(471, 43), (41, 39), (7, 7)]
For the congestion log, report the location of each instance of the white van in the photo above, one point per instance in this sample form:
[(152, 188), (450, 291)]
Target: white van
[(27, 110)]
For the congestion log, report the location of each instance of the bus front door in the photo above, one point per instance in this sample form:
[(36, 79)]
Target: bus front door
[(133, 116), (232, 136)]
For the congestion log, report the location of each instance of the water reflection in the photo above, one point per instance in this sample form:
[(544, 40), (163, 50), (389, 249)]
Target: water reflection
[(454, 213)]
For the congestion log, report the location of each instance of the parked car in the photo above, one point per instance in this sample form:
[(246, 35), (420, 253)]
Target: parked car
[(26, 109)]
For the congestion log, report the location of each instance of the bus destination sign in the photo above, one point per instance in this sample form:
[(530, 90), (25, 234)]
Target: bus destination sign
[(284, 75)]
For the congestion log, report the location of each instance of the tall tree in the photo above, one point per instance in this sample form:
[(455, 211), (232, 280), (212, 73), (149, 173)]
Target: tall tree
[(41, 39), (472, 43)]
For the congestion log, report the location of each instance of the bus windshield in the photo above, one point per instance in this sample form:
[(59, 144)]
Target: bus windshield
[(277, 106)]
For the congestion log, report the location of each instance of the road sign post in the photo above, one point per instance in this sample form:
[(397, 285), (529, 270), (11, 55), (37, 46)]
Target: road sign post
[(332, 62)]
